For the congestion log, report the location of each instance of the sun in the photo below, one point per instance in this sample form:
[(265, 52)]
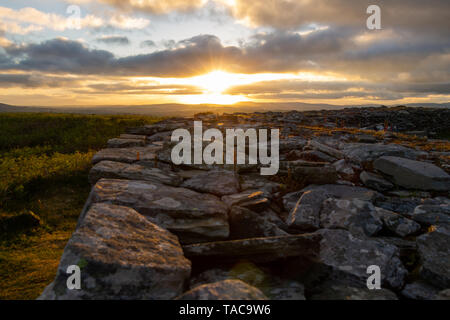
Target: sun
[(215, 82)]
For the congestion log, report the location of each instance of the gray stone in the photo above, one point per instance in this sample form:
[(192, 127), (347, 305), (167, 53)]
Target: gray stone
[(337, 291), (224, 290), (256, 181), (375, 181), (345, 192), (357, 216), (245, 223), (122, 255), (218, 182), (308, 174), (433, 215), (419, 290), (434, 250), (119, 170), (306, 213), (443, 295), (365, 153), (125, 143), (254, 200), (326, 149), (414, 174), (349, 257), (127, 155), (397, 223), (256, 249), (190, 215)]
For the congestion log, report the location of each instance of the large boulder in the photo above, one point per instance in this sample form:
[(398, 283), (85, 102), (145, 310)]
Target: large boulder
[(348, 258), (192, 216), (232, 289), (414, 174), (121, 255), (119, 170)]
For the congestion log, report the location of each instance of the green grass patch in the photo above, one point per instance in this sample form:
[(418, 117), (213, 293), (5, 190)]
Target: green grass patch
[(44, 164)]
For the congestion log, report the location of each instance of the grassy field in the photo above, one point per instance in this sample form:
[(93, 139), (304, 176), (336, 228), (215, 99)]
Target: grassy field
[(44, 164)]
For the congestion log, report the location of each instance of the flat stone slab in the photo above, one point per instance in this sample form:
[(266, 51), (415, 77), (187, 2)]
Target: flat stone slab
[(414, 174), (127, 155), (256, 249), (218, 182), (192, 216), (121, 255), (119, 170), (366, 153), (125, 143)]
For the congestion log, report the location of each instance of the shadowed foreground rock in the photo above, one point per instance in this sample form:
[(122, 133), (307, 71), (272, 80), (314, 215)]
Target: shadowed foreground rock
[(121, 256), (224, 290), (256, 249)]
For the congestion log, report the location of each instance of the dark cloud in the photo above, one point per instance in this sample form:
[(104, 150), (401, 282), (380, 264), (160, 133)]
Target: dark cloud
[(114, 40), (148, 44)]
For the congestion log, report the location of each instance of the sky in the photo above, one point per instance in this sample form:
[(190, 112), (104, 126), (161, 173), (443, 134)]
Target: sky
[(140, 52)]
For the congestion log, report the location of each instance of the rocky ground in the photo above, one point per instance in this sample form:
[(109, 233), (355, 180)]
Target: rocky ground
[(356, 188)]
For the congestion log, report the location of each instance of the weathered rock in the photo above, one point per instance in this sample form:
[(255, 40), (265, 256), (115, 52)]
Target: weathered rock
[(122, 255), (190, 215), (366, 153), (119, 170), (357, 216), (375, 181), (224, 290), (419, 290), (245, 223), (435, 215), (125, 143), (337, 291), (396, 223), (218, 182), (254, 200), (274, 287), (151, 129), (349, 257), (292, 143), (318, 175), (443, 295), (132, 136), (306, 213), (345, 192), (256, 181), (346, 170), (312, 155), (435, 253), (127, 155), (256, 249), (326, 149), (414, 174)]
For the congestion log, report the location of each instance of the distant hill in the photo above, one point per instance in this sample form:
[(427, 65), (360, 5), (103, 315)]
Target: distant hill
[(188, 110)]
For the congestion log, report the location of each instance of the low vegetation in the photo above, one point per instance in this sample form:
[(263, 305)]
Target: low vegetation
[(44, 163)]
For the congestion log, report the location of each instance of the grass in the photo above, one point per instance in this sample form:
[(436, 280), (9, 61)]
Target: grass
[(44, 164)]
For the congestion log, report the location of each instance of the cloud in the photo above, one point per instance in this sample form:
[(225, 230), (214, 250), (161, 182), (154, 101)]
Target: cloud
[(148, 44), (154, 6), (27, 20), (288, 14), (114, 40)]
